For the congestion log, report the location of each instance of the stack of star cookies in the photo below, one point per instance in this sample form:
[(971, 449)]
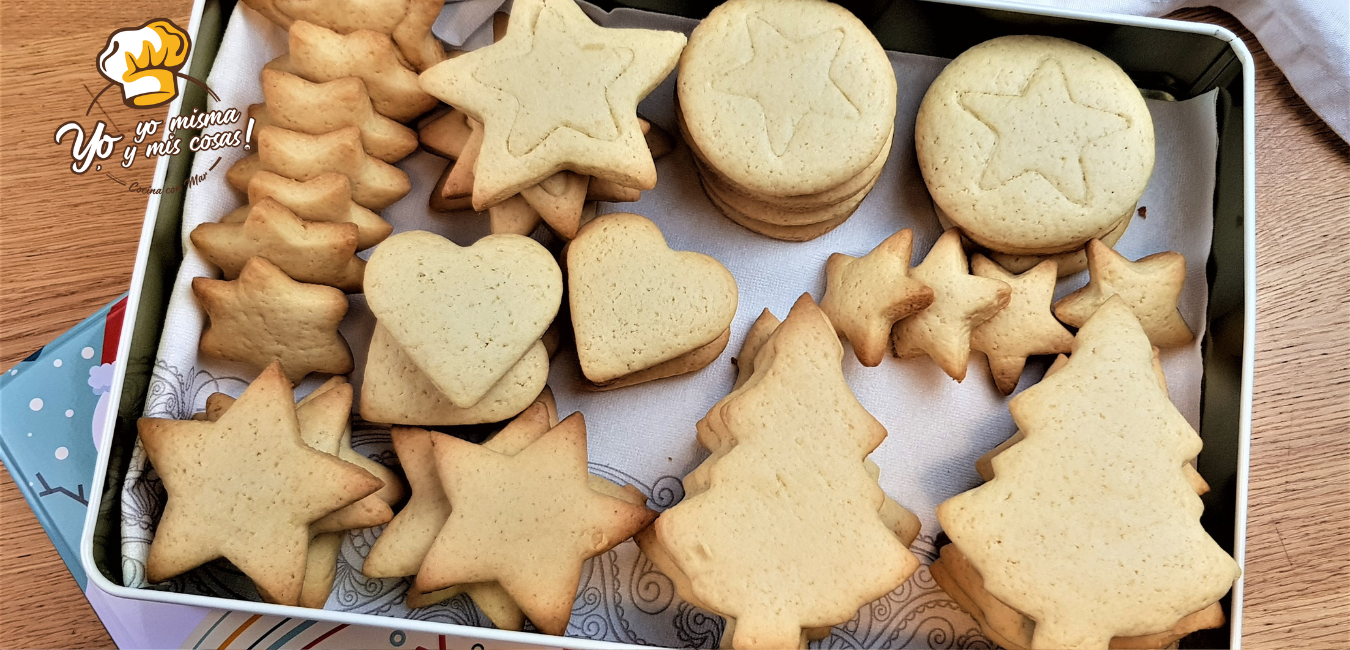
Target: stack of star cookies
[(789, 109), (545, 119), (509, 522), (265, 483), (1034, 145), (563, 201), (784, 529), (326, 139)]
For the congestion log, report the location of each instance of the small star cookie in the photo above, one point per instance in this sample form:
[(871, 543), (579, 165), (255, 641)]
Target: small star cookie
[(263, 316), (313, 252), (246, 488), (865, 296), (526, 521), (1023, 328), (321, 55), (960, 302), (1150, 286), (557, 92)]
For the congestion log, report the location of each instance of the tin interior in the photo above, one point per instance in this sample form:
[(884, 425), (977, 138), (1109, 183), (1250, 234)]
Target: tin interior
[(1164, 63)]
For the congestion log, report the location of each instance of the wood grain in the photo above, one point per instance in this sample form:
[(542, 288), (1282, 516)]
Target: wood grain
[(67, 245)]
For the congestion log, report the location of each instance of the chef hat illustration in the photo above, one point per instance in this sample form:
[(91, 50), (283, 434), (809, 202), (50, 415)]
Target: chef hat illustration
[(142, 61)]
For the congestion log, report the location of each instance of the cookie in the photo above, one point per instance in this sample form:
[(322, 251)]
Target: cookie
[(788, 534), (688, 362), (865, 296), (1090, 526), (961, 301), (557, 92), (396, 391), (786, 98), (984, 466), (375, 184), (1151, 286), (317, 108), (1069, 263), (774, 215), (245, 488), (514, 216), (1012, 629), (321, 55), (1023, 328), (264, 316), (312, 252), (558, 200), (784, 233), (326, 197), (325, 425), (1033, 145), (393, 492), (526, 521), (850, 188), (635, 303), (408, 22), (464, 315), (601, 189), (446, 134), (399, 549), (759, 332), (454, 190)]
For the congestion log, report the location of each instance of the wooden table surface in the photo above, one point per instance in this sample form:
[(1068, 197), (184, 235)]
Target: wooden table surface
[(67, 245)]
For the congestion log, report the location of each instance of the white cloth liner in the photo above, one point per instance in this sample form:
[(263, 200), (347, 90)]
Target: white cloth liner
[(645, 434)]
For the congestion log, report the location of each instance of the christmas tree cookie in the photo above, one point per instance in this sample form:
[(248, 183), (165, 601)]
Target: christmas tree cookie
[(1091, 526)]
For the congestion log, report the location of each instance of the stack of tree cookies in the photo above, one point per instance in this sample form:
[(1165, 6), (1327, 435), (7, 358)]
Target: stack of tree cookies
[(562, 200), (789, 109), (784, 529)]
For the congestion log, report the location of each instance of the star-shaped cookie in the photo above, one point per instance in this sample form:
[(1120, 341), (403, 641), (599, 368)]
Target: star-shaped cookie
[(307, 251), (245, 488), (1042, 130), (557, 92), (812, 90), (865, 296), (1022, 329), (960, 302), (263, 316), (1150, 286), (526, 521)]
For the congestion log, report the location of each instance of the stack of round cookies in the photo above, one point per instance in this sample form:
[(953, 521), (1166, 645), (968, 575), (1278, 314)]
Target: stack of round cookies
[(789, 109), (1033, 146)]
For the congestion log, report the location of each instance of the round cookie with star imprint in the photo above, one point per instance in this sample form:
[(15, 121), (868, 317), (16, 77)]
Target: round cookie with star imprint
[(1034, 145), (786, 97)]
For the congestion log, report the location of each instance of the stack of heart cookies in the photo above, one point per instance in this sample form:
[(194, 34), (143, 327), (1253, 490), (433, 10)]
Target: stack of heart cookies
[(1033, 146), (641, 311), (545, 118), (458, 329), (789, 109)]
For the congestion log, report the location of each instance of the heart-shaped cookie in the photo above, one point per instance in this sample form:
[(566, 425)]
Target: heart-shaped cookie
[(464, 315), (637, 303)]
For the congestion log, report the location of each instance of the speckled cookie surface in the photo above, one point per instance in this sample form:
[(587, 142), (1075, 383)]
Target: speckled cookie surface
[(464, 315), (786, 97), (1034, 144), (636, 303), (1090, 526)]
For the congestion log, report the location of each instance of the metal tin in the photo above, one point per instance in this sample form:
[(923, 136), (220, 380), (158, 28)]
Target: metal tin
[(1166, 59)]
